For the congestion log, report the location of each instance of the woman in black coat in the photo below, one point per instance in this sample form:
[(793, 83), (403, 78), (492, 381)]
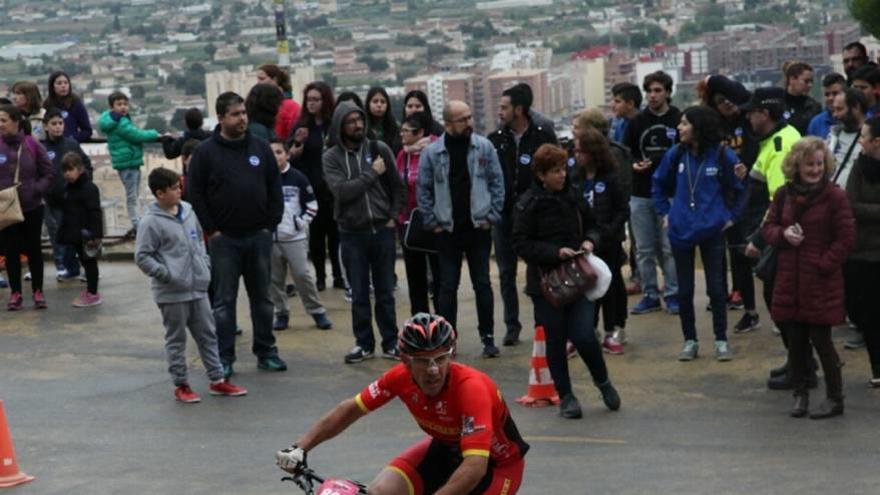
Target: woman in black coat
[(551, 224), (594, 177)]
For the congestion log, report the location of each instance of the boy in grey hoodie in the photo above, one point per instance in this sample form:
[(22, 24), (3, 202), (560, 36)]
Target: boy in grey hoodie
[(171, 250)]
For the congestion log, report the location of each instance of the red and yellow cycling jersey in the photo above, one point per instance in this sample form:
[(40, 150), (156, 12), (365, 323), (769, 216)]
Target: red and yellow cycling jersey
[(468, 415)]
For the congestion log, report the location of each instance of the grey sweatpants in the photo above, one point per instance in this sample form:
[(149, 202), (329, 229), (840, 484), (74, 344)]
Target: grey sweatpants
[(295, 254), (196, 315)]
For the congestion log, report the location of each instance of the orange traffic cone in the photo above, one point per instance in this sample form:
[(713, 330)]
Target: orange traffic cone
[(9, 472), (541, 391)]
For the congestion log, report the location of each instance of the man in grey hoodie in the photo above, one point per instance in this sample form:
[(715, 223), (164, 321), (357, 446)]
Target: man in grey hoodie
[(367, 198), (170, 249)]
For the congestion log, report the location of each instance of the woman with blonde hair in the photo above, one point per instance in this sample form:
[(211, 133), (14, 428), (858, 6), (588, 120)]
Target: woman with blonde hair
[(811, 224)]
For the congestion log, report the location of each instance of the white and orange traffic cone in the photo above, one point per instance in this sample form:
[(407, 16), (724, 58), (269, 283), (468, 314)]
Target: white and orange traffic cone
[(10, 475), (541, 391)]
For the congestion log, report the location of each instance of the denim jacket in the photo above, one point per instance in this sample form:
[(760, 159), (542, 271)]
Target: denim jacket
[(487, 184)]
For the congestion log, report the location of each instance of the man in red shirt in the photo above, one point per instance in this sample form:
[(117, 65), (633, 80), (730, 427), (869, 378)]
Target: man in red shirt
[(473, 445)]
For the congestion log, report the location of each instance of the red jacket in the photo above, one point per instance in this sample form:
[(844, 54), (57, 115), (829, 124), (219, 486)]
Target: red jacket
[(288, 114), (809, 278), (408, 169)]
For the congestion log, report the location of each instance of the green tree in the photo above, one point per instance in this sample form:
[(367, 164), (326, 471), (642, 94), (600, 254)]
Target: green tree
[(243, 49), (211, 50), (205, 23), (867, 12), (138, 92)]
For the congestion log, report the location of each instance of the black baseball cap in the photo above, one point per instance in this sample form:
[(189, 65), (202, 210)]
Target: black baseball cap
[(765, 98)]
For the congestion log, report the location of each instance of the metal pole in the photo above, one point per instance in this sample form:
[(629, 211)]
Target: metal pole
[(281, 34)]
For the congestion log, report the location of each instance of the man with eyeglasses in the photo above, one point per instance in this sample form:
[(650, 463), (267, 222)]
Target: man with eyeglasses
[(855, 56), (368, 195), (461, 196), (473, 445)]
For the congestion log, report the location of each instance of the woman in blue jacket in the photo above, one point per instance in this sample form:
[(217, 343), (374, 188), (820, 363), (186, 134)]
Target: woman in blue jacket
[(706, 198)]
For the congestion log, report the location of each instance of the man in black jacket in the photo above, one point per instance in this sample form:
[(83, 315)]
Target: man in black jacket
[(516, 142), (235, 190), (648, 137), (194, 120)]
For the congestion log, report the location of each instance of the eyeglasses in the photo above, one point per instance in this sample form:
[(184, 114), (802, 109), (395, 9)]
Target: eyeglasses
[(854, 59), (462, 120), (439, 360), (353, 120)]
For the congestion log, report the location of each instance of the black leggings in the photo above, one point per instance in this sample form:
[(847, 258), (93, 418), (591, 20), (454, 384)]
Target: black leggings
[(24, 238), (324, 237), (91, 266), (861, 279), (613, 303)]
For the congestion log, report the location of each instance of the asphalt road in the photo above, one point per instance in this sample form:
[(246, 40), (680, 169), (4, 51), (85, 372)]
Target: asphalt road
[(91, 408)]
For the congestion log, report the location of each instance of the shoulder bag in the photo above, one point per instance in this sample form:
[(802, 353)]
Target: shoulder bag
[(10, 206), (569, 280), (765, 269)]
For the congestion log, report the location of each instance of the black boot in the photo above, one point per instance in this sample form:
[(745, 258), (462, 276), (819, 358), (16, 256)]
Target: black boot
[(783, 381), (828, 409), (780, 370), (801, 406), (569, 407), (610, 396), (512, 338)]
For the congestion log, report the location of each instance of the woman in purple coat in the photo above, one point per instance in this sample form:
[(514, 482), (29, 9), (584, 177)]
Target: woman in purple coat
[(21, 152)]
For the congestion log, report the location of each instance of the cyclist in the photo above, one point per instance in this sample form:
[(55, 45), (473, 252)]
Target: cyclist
[(473, 445)]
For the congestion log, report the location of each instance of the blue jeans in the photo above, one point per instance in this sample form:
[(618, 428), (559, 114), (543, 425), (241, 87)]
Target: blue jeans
[(575, 323), (712, 254), (506, 260), (365, 254), (233, 258), (63, 254), (131, 180), (475, 245), (652, 242)]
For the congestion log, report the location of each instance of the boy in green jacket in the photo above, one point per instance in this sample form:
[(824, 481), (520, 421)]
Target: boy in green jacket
[(125, 143)]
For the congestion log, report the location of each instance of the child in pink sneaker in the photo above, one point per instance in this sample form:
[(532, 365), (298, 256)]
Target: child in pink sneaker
[(170, 249), (82, 223)]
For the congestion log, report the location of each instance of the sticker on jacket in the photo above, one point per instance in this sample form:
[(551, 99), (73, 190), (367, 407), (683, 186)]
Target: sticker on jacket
[(254, 160)]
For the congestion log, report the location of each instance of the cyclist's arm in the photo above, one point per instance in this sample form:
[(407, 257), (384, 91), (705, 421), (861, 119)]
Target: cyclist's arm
[(466, 477), (333, 423)]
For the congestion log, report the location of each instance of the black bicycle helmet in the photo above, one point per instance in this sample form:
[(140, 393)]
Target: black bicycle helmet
[(425, 332)]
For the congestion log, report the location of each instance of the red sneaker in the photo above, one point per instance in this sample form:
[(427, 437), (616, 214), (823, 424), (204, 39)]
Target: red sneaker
[(735, 300), (15, 302), (633, 288), (185, 394), (39, 300), (571, 351), (611, 345), (86, 299), (227, 389)]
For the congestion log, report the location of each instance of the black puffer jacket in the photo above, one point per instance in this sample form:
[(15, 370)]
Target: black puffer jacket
[(544, 222), (610, 207), (82, 211)]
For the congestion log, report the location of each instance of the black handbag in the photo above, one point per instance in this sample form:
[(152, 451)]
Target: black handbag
[(765, 269), (570, 279), (415, 237)]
